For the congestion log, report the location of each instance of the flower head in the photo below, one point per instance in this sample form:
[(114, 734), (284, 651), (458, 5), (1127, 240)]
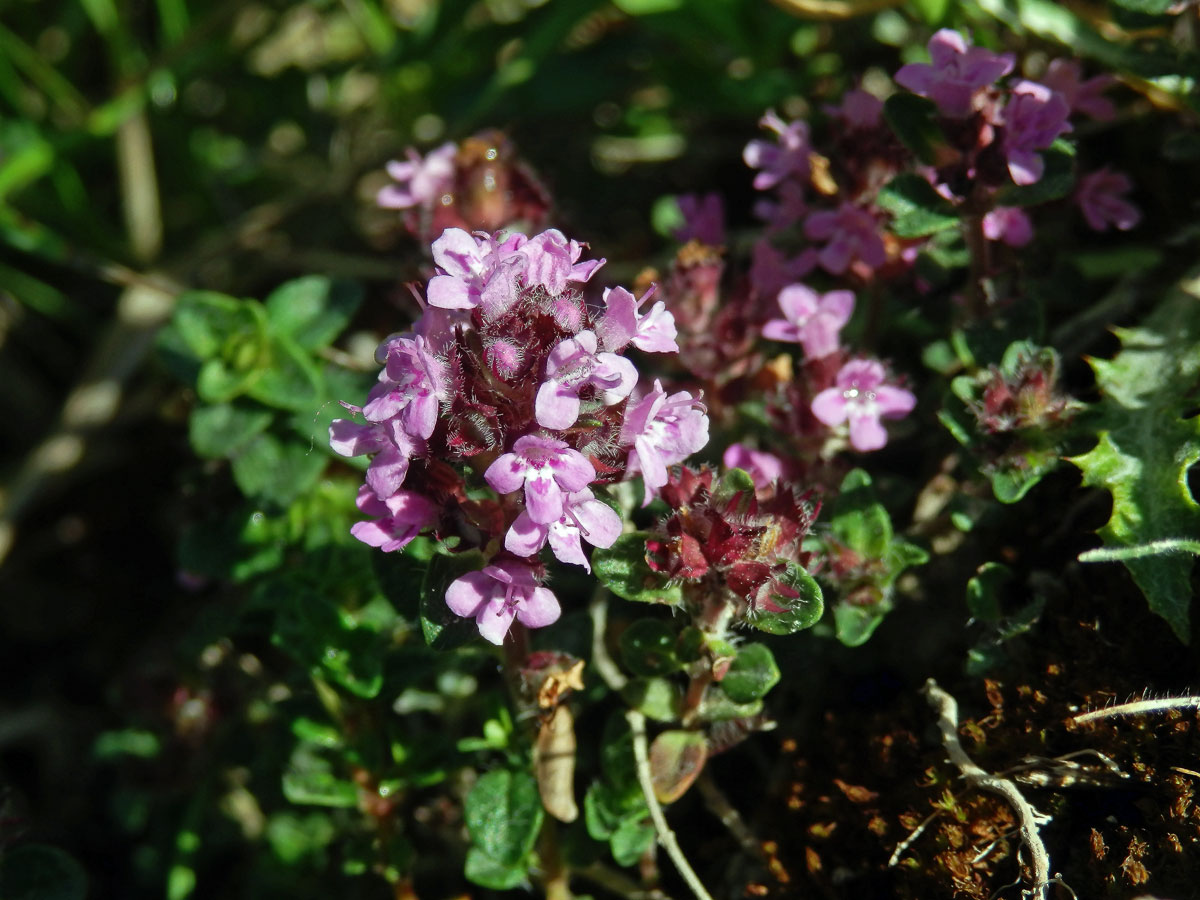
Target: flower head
[(1033, 117), (956, 72), (861, 397), (411, 386), (1065, 77), (583, 517), (703, 219), (782, 160), (810, 319), (653, 332), (1101, 198), (852, 234), (573, 365), (420, 181), (505, 590), (663, 430), (548, 469), (399, 518), (1009, 224)]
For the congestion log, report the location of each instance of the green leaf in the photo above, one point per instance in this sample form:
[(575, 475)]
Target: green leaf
[(788, 603), (486, 872), (1147, 7), (633, 837), (917, 209), (503, 813), (676, 760), (657, 698), (274, 471), (984, 591), (1146, 447), (444, 630), (914, 119), (752, 673), (225, 429), (287, 378), (41, 872), (1056, 182), (648, 648), (622, 568), (855, 624), (859, 520), (204, 320), (932, 11), (314, 310), (309, 780)]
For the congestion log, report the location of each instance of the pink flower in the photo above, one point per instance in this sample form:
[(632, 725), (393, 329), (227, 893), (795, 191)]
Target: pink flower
[(583, 517), (399, 518), (861, 397), (771, 271), (392, 445), (553, 262), (859, 110), (810, 319), (851, 233), (421, 182), (1009, 224), (654, 332), (779, 161), (548, 469), (573, 365), (703, 219), (956, 73), (763, 467), (662, 431), (474, 271), (1033, 117), (499, 593), (411, 386), (1100, 196), (787, 207), (1065, 76)]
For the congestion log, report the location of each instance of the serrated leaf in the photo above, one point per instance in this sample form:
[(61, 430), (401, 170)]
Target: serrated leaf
[(503, 814), (622, 568), (1145, 448), (917, 209), (313, 310)]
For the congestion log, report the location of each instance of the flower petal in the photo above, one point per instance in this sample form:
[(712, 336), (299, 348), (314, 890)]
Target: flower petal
[(538, 608)]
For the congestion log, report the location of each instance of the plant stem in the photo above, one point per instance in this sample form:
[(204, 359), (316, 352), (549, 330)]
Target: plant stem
[(666, 837)]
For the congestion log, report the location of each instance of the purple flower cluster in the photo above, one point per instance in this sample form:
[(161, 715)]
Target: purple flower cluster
[(510, 374)]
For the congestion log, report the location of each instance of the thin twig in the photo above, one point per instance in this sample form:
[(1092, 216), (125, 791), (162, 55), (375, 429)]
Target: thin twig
[(619, 883), (1138, 708), (601, 661), (718, 804), (666, 837), (1029, 818)]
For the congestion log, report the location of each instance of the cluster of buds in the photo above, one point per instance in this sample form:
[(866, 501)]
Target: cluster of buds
[(1020, 395), (512, 380), (730, 540)]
